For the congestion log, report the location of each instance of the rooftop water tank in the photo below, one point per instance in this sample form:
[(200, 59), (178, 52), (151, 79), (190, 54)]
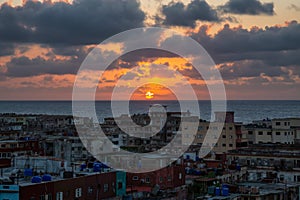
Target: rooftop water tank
[(82, 167), (97, 167), (28, 172), (225, 191), (46, 177), (36, 179)]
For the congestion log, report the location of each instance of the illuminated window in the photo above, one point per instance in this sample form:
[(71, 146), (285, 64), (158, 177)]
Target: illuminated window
[(78, 192), (59, 195)]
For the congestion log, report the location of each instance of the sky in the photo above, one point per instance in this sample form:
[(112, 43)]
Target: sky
[(255, 45)]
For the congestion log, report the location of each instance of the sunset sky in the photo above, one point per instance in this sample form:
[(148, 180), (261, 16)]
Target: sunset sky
[(255, 45)]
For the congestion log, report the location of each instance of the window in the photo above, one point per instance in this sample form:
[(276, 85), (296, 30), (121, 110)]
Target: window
[(120, 185), (46, 197), (277, 133), (269, 133), (223, 136), (169, 178), (78, 192), (160, 179), (223, 145), (135, 178), (147, 180), (230, 145), (278, 123), (180, 176), (105, 187), (281, 178), (250, 132), (230, 128), (260, 133), (59, 195), (90, 190)]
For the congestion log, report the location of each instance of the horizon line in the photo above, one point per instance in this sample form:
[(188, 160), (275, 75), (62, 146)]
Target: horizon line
[(148, 100)]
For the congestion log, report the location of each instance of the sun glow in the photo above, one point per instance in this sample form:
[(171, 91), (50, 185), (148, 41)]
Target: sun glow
[(149, 95)]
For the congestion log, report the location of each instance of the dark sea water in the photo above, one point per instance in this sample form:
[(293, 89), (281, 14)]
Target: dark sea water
[(245, 111)]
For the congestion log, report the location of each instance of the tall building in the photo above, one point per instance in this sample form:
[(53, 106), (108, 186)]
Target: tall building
[(224, 142)]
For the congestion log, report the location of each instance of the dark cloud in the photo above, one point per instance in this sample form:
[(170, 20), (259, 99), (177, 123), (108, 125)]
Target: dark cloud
[(131, 59), (247, 68), (82, 22), (239, 40), (248, 53), (78, 51), (248, 7), (177, 14), (270, 58), (146, 54), (6, 49), (23, 66)]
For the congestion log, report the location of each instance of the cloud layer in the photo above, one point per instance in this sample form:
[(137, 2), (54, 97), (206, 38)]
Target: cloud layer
[(176, 13), (82, 22), (43, 44), (248, 7)]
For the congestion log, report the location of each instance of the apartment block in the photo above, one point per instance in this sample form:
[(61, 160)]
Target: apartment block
[(280, 131)]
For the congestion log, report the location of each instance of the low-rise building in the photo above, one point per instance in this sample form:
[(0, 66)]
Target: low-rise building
[(278, 163), (84, 186), (277, 131), (12, 148), (168, 181)]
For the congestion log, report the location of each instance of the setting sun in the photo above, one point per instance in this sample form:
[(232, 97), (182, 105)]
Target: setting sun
[(149, 95)]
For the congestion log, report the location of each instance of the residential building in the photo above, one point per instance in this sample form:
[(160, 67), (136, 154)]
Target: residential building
[(277, 131), (228, 138), (277, 163), (168, 180), (85, 186)]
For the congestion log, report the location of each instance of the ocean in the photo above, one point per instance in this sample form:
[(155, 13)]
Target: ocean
[(245, 110)]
